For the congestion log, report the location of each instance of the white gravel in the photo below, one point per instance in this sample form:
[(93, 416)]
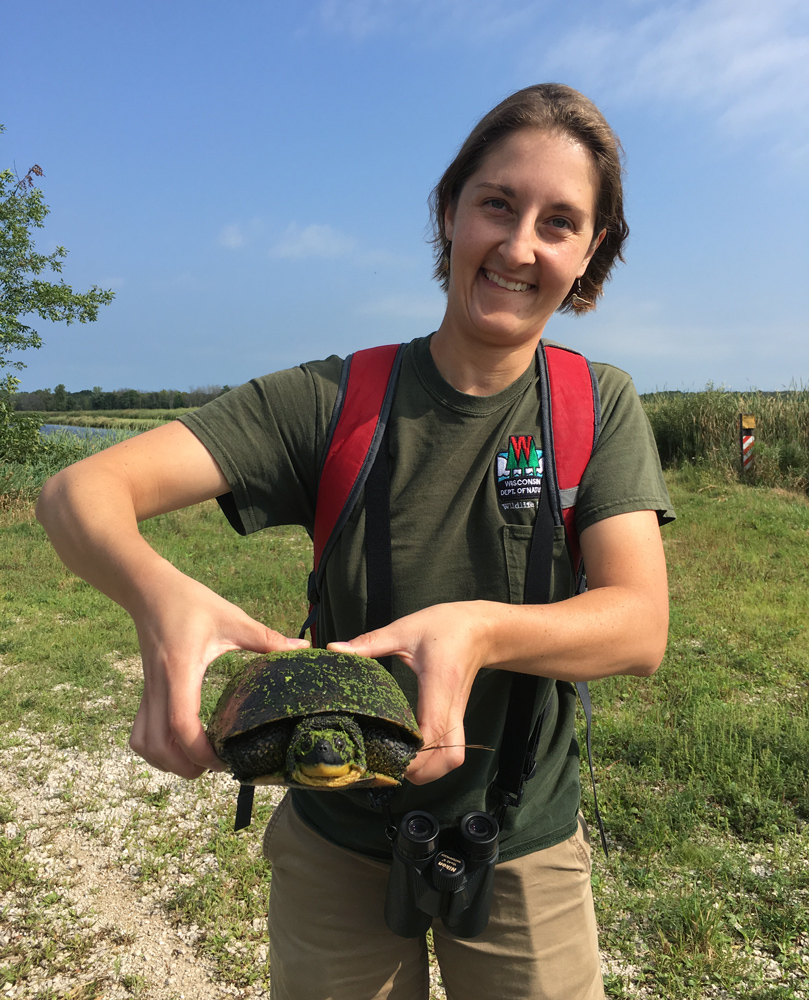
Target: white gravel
[(75, 822)]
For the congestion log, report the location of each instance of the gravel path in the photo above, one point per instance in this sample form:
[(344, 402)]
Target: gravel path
[(74, 823), (91, 915)]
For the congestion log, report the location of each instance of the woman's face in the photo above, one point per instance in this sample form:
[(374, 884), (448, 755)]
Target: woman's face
[(521, 232)]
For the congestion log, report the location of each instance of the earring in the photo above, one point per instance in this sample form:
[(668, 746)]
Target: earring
[(576, 297)]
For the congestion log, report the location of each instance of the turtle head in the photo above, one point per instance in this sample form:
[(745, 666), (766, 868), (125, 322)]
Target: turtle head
[(326, 751)]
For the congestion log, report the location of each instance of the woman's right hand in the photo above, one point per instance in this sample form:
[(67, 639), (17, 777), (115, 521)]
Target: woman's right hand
[(182, 627)]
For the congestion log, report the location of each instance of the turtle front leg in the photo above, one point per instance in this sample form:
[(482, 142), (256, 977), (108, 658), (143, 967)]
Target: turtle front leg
[(259, 756), (389, 752)]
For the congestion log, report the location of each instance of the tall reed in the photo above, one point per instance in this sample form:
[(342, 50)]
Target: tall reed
[(702, 428)]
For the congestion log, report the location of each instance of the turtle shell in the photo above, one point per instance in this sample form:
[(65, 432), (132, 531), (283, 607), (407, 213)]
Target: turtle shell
[(295, 686)]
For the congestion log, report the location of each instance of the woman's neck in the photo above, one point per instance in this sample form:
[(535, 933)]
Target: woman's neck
[(479, 369)]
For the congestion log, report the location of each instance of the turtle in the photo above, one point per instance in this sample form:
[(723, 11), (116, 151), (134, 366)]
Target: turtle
[(315, 719)]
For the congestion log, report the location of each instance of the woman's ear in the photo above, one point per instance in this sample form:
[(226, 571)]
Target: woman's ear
[(449, 222), (593, 247)]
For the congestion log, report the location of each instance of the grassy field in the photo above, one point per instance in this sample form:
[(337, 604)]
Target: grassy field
[(702, 768)]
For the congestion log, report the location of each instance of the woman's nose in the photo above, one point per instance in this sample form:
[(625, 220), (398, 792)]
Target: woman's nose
[(520, 246)]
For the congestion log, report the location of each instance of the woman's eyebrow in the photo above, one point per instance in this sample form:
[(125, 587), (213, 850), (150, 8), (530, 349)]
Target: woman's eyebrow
[(497, 187)]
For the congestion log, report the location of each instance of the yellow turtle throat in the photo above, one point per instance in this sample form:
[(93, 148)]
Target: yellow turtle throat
[(322, 775)]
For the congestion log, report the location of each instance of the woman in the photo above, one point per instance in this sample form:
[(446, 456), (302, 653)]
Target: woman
[(528, 220)]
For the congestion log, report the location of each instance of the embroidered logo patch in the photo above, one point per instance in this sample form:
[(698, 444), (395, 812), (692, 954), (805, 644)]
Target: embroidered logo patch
[(519, 473)]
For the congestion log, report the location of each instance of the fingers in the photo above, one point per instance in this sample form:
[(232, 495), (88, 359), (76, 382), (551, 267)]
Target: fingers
[(153, 740), (442, 700), (383, 642), (442, 753), (246, 633), (439, 646), (167, 731)]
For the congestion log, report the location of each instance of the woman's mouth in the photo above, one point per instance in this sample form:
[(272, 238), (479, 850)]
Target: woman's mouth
[(511, 286)]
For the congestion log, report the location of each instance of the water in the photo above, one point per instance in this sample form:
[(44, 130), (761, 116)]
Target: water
[(78, 431)]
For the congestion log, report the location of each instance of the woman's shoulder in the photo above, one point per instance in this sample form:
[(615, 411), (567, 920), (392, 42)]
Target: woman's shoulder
[(615, 386), (610, 374), (616, 390)]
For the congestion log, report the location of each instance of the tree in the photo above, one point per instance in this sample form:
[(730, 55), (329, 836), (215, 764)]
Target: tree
[(24, 294), (60, 397)]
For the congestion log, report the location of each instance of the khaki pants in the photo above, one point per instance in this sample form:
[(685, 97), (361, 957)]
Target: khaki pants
[(329, 941)]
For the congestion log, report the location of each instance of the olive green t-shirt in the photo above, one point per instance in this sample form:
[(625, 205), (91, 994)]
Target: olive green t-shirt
[(465, 474)]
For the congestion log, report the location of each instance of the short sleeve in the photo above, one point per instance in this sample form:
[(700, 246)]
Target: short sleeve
[(624, 473), (267, 436)]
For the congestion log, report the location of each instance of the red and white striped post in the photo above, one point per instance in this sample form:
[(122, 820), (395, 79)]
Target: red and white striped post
[(747, 439)]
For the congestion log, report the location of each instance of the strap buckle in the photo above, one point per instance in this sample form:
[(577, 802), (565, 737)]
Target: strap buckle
[(505, 800), (381, 799)]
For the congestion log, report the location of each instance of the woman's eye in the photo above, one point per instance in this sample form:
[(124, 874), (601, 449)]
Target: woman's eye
[(560, 223), (497, 203)]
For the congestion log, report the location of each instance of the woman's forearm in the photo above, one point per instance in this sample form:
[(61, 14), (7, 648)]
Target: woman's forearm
[(611, 630), (90, 519), (91, 510), (619, 626)]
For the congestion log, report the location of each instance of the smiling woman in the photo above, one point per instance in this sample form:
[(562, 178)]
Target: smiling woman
[(521, 233), (555, 110), (528, 221)]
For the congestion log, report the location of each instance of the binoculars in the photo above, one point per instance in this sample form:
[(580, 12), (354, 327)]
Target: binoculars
[(454, 882)]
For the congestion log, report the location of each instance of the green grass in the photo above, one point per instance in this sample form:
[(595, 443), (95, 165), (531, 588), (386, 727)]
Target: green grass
[(702, 768), (703, 777), (51, 618)]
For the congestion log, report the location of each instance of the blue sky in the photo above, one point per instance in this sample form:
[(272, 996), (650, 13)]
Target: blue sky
[(251, 178)]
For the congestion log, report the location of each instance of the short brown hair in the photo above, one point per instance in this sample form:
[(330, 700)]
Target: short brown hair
[(554, 108)]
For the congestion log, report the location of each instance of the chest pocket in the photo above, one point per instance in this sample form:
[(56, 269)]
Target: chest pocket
[(517, 545)]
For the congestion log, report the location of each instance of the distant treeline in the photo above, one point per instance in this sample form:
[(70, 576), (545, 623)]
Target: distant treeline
[(59, 399), (690, 428)]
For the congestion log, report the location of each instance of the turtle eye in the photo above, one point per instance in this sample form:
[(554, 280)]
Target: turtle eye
[(338, 743)]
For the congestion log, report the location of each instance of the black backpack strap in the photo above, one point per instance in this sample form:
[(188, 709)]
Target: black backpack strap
[(244, 806), (518, 758), (378, 556), (518, 749), (584, 695)]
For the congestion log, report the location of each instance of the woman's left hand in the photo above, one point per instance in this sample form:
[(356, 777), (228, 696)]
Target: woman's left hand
[(442, 646)]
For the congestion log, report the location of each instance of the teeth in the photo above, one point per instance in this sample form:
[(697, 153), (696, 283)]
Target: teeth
[(512, 286)]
